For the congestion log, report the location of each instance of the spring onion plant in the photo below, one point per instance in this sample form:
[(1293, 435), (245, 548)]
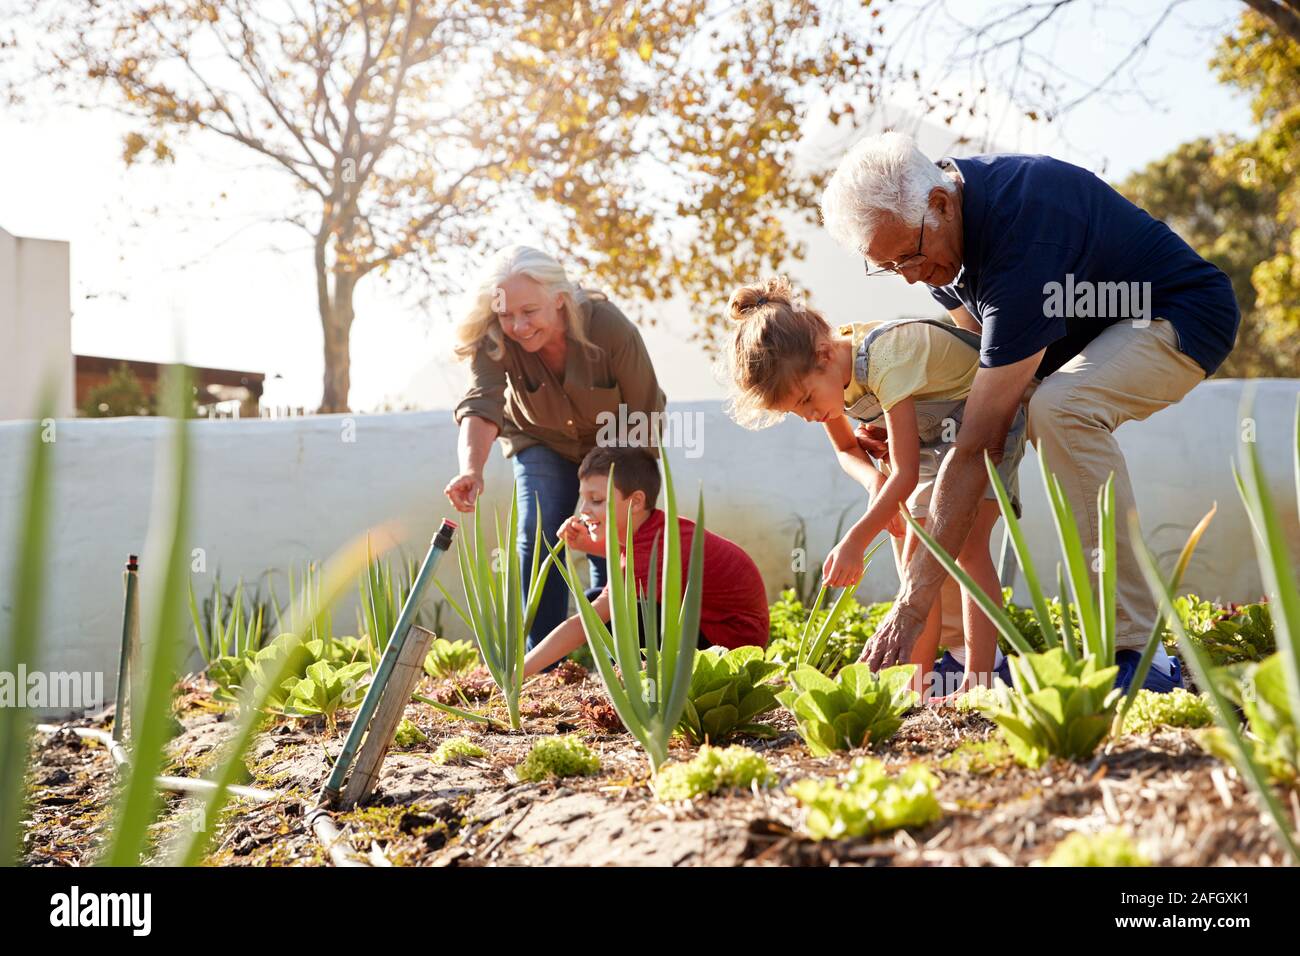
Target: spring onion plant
[(499, 607), (382, 592), (20, 645), (649, 695), (1275, 712), (812, 645), (1062, 703), (231, 628)]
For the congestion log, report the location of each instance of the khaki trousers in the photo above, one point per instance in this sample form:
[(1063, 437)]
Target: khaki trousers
[(1125, 374)]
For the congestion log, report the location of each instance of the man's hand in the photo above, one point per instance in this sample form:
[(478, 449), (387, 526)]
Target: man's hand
[(894, 639), (874, 440), (463, 490)]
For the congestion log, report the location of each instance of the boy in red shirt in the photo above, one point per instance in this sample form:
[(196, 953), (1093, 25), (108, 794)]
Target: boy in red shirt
[(733, 609)]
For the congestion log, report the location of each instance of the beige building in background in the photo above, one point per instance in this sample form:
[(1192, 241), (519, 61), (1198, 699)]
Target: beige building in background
[(35, 325)]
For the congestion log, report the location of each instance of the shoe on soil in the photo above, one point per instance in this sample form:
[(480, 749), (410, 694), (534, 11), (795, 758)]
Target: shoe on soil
[(1157, 680)]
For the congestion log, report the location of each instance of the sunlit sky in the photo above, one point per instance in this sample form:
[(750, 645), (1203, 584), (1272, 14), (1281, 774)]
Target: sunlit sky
[(183, 253)]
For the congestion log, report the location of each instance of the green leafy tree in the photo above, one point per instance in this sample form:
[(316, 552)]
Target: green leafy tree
[(1262, 59), (1238, 202), (1228, 212), (651, 143)]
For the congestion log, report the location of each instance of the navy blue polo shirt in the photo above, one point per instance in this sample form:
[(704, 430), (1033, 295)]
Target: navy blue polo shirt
[(1053, 255)]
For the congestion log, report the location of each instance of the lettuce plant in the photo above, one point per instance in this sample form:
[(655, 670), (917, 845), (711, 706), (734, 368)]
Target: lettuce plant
[(499, 607), (649, 694), (867, 801), (1062, 706), (711, 770), (556, 757), (276, 669), (328, 687), (727, 692), (1229, 635), (856, 709), (1273, 738), (449, 658), (228, 674)]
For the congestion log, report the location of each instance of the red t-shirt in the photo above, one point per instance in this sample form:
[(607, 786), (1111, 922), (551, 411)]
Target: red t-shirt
[(734, 609)]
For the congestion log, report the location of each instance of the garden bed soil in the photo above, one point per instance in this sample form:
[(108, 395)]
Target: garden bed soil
[(1181, 806)]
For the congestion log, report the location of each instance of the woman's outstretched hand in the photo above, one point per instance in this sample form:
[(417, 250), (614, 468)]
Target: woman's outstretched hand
[(463, 490)]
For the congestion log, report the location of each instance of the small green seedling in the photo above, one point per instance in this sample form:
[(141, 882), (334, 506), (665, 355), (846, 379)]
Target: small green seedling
[(408, 735), (1178, 708), (455, 750), (867, 801), (712, 769), (556, 757), (1110, 847)]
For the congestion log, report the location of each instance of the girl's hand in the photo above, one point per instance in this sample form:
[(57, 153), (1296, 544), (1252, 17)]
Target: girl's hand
[(463, 490), (874, 440), (843, 566)]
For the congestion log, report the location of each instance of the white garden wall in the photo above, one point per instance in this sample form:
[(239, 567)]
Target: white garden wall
[(270, 494), (35, 325)]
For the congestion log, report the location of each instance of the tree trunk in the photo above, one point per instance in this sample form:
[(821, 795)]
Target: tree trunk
[(1284, 14), (336, 322)]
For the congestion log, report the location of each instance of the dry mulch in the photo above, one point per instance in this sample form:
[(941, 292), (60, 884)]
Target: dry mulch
[(1181, 806)]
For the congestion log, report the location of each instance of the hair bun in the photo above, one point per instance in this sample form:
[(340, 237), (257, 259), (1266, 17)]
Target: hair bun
[(746, 300)]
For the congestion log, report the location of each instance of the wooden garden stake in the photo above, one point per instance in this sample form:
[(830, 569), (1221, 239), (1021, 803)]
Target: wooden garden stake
[(383, 726)]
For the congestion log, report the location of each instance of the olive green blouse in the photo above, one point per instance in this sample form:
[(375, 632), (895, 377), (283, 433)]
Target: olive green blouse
[(531, 406)]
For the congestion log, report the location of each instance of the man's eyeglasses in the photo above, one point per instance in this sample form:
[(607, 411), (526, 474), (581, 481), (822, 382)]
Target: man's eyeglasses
[(896, 268)]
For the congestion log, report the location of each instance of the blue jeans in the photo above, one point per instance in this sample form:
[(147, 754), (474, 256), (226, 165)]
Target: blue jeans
[(544, 477)]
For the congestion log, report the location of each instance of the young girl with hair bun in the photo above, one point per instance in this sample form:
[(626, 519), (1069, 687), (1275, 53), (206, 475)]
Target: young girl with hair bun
[(915, 374)]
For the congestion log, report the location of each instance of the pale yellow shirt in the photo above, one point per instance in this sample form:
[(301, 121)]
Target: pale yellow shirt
[(915, 360)]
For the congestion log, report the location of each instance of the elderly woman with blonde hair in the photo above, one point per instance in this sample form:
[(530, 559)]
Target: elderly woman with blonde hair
[(549, 363)]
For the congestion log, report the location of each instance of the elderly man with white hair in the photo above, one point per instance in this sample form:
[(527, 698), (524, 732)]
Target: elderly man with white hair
[(1098, 312)]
